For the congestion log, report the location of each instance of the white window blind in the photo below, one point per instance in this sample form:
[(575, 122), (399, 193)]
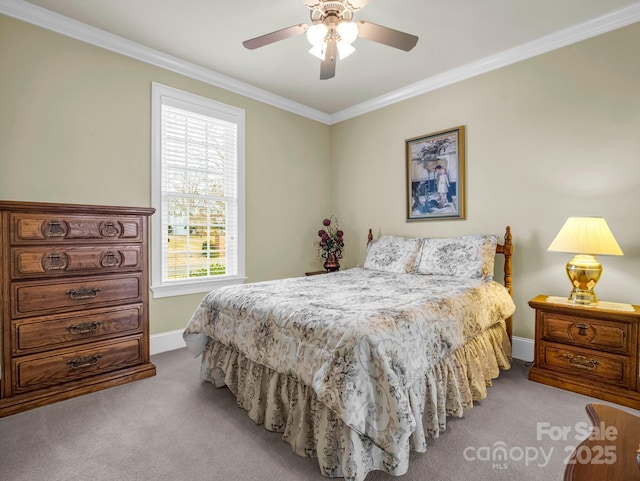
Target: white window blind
[(198, 241)]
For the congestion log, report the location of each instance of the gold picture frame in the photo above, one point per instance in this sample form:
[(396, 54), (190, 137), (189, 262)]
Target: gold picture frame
[(435, 175)]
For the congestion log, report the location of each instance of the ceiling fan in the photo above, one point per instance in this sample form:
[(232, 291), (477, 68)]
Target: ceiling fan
[(332, 32)]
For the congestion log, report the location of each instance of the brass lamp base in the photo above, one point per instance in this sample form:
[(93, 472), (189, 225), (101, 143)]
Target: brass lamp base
[(584, 271)]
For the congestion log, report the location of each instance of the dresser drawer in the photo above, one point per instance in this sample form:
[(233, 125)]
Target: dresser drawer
[(611, 336), (41, 228), (53, 332), (36, 372), (49, 297), (582, 363), (59, 261)]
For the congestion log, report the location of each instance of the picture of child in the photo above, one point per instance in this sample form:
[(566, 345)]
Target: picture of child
[(442, 185)]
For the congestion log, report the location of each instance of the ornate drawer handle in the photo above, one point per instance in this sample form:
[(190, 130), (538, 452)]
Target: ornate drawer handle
[(83, 293), (581, 362), (84, 361), (582, 329), (109, 229), (84, 328), (54, 228), (110, 259), (55, 262)]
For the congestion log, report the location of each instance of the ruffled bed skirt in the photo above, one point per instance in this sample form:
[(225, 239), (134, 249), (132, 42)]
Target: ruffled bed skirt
[(285, 405)]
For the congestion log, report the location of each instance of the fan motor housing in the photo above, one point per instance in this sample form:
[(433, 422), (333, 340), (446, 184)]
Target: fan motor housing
[(341, 10)]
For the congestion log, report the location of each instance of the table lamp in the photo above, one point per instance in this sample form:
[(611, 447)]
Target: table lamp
[(586, 237)]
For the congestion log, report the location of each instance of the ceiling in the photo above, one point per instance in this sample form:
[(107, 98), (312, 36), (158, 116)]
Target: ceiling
[(457, 38)]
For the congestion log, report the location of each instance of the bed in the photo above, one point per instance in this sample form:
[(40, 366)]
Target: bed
[(359, 367)]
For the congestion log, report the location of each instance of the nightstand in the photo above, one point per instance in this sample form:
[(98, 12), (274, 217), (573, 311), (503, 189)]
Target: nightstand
[(588, 350), (315, 273)]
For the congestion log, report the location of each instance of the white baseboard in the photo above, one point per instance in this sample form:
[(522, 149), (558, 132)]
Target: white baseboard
[(522, 348), (168, 341)]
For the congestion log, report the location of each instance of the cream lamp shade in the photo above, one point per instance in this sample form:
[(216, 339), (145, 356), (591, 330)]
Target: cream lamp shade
[(586, 237)]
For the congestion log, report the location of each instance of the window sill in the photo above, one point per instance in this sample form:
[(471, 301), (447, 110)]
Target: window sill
[(193, 287)]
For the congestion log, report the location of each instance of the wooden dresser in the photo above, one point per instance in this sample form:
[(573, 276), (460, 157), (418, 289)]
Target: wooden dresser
[(588, 350), (74, 291), (611, 452)]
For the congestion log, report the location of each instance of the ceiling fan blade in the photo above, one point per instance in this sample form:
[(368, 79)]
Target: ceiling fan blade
[(276, 36), (328, 65), (387, 36)]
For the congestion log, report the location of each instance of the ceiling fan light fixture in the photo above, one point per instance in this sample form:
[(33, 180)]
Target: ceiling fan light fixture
[(316, 34), (332, 31), (348, 31), (319, 50), (345, 49)]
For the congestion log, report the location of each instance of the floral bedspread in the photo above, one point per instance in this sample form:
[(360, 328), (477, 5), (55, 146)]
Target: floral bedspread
[(360, 338)]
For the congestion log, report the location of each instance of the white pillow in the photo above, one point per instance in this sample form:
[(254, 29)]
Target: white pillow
[(393, 254), (470, 256)]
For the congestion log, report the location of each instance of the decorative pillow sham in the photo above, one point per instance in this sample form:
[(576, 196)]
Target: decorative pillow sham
[(393, 254), (470, 256)]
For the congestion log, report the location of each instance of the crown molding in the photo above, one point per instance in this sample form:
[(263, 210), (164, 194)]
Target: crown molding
[(49, 20), (41, 17), (592, 28)]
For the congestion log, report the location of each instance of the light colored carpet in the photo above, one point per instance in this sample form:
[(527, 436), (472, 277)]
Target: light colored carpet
[(173, 427)]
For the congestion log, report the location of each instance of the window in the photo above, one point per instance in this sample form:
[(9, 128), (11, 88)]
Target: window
[(198, 192)]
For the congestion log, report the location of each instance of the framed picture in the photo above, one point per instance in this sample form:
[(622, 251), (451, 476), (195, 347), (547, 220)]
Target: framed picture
[(435, 175)]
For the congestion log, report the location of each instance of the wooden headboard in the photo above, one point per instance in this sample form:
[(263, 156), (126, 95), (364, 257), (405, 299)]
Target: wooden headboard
[(506, 249)]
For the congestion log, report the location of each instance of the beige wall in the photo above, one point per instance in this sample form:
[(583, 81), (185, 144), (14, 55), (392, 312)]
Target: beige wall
[(548, 138), (75, 128)]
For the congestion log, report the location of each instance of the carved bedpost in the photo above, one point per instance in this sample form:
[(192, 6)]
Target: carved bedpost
[(369, 237), (507, 250)]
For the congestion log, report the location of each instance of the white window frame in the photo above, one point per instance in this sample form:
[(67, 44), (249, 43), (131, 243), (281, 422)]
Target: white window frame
[(162, 94)]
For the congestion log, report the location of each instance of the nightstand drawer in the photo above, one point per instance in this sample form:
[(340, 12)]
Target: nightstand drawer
[(612, 369), (592, 333)]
